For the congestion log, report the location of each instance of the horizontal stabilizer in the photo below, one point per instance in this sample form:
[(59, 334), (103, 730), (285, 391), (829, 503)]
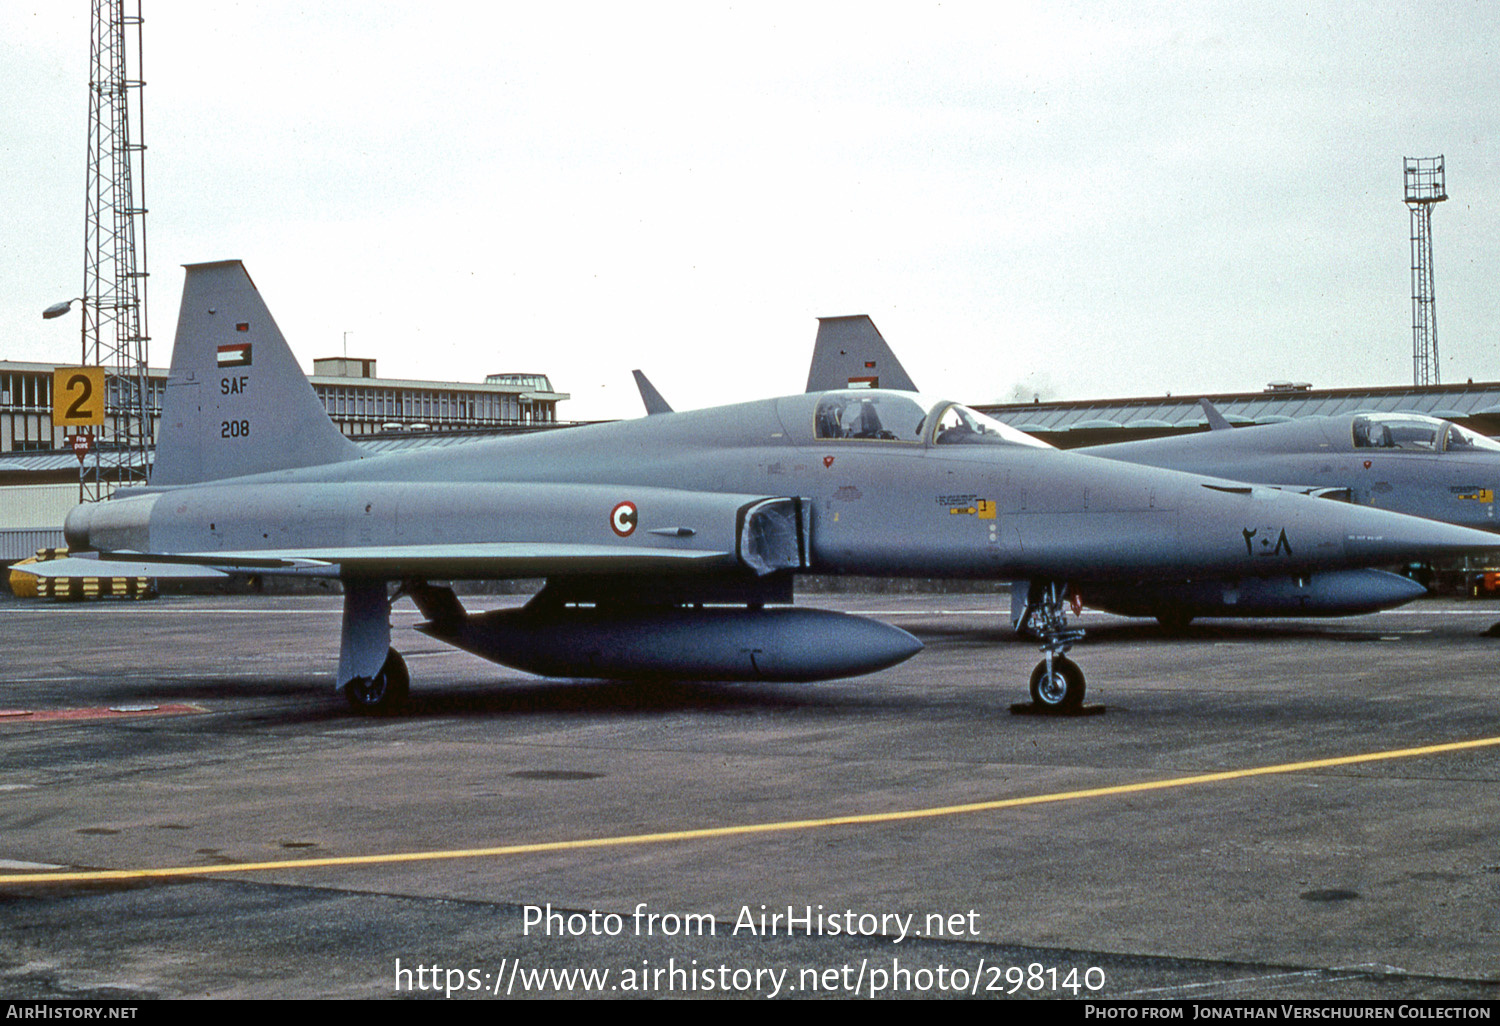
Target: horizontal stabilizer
[(84, 566)]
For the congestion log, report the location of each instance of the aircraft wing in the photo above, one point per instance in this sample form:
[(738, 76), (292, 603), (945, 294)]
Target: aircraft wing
[(467, 561)]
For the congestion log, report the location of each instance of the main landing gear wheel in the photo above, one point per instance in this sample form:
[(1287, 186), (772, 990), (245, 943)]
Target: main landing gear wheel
[(383, 693), (1059, 689)]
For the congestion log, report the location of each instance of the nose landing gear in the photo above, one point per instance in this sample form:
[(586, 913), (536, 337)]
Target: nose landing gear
[(1057, 684)]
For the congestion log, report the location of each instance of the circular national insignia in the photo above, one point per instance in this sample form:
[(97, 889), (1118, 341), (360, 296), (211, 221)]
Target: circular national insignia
[(622, 518)]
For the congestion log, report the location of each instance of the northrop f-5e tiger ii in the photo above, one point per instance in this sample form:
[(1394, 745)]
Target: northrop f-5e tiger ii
[(670, 544)]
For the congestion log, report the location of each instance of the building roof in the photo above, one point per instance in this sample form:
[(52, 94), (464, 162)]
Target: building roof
[(525, 389), (55, 463), (1477, 404)]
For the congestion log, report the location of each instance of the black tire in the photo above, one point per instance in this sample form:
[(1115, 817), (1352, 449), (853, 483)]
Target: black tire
[(384, 693), (1063, 691)]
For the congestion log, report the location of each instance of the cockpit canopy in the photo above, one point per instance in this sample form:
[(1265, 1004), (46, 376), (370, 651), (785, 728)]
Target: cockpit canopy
[(872, 415), (959, 425), (1416, 433)]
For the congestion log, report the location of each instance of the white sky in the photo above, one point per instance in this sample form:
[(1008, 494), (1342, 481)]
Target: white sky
[(1088, 199)]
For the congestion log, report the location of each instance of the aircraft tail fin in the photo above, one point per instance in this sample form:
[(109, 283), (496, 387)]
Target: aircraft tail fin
[(236, 401), (1216, 420), (849, 353), (655, 404)]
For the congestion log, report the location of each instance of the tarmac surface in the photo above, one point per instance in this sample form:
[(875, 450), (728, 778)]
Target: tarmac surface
[(204, 735)]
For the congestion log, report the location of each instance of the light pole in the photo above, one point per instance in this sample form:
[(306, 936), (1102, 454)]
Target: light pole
[(52, 312), (58, 309)]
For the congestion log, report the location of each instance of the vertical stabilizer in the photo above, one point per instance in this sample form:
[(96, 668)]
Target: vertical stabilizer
[(849, 353), (1216, 420), (655, 404), (236, 400)]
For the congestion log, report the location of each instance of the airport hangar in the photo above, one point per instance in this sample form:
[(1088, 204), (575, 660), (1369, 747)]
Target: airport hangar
[(39, 473)]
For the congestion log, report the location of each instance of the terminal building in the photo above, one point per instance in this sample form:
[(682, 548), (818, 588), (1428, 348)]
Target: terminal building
[(359, 402), (39, 473)]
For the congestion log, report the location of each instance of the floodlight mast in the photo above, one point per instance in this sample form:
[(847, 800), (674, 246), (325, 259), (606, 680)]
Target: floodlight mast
[(1425, 185), (115, 333)]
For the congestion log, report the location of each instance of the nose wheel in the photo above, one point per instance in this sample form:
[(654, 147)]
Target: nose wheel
[(383, 693), (1057, 685)]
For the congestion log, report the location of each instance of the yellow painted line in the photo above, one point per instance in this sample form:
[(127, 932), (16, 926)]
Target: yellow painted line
[(704, 833)]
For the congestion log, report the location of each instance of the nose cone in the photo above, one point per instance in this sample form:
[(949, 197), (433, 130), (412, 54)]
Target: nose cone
[(1270, 532), (1376, 536)]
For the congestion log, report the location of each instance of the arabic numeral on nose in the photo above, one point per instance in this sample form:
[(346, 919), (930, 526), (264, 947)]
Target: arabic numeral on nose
[(234, 429)]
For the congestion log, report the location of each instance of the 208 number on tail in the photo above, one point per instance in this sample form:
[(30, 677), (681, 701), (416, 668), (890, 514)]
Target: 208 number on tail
[(234, 429)]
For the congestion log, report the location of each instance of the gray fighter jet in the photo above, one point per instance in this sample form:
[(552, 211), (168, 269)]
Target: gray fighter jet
[(1402, 462), (1405, 463), (669, 544)]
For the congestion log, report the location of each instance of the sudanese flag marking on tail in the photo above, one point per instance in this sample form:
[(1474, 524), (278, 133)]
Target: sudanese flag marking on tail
[(236, 354)]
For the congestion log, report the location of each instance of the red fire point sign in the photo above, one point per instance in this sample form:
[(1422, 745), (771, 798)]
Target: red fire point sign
[(81, 445)]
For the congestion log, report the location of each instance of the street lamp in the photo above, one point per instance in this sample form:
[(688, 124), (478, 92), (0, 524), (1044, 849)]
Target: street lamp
[(53, 311)]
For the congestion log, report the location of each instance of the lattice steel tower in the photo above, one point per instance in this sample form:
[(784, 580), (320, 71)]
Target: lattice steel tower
[(115, 334), (1424, 187)]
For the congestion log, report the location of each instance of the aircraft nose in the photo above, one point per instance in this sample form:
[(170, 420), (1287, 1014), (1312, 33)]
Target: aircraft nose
[(1375, 536)]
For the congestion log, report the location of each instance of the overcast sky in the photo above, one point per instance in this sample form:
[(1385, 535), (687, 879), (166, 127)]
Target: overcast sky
[(1086, 200)]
